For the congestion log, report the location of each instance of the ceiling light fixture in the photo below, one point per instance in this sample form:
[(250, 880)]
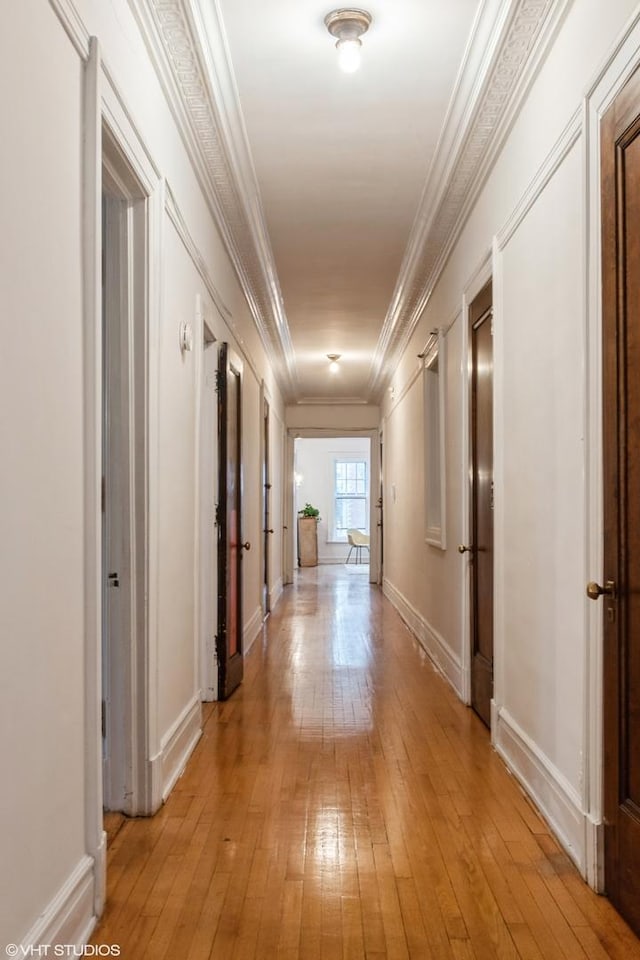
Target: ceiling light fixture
[(348, 26), (333, 362)]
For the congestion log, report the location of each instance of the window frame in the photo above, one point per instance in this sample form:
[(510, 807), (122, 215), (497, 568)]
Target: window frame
[(332, 533)]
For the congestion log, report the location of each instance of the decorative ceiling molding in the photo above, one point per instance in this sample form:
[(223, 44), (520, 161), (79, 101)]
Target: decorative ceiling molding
[(494, 80), (192, 61)]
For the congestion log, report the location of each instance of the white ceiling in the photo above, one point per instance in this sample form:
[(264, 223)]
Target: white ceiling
[(339, 197), (341, 162)]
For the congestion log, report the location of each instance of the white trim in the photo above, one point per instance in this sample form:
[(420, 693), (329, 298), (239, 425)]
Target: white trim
[(69, 917), (177, 219), (556, 799), (142, 690), (440, 653), (499, 485), (188, 48), (288, 505), (490, 98), (178, 744), (252, 629), (543, 177), (206, 569), (150, 784), (92, 430), (276, 593), (73, 25), (100, 876), (435, 534), (331, 401), (334, 457), (478, 280), (322, 561), (294, 433)]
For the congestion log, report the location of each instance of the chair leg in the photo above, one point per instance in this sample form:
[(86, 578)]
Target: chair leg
[(349, 554)]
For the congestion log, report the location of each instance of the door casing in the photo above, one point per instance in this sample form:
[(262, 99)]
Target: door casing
[(124, 554), (289, 530)]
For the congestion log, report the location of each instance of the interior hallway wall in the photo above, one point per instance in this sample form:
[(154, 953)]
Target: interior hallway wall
[(529, 225), (50, 758)]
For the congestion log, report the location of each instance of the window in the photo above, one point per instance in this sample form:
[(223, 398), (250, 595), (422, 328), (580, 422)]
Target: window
[(434, 391), (351, 497)]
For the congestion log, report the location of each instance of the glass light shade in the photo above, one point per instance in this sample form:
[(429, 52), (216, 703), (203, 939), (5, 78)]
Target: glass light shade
[(349, 55), (333, 366)]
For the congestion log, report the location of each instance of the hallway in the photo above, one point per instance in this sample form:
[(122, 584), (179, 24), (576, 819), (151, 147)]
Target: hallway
[(344, 803)]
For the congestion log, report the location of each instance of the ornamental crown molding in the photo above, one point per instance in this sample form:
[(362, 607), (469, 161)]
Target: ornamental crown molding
[(495, 76), (193, 64)]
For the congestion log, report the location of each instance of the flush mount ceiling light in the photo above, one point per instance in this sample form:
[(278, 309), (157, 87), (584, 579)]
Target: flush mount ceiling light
[(348, 26), (333, 361)]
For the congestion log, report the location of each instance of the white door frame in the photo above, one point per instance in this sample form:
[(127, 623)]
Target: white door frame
[(104, 111), (481, 276), (295, 433), (207, 499), (265, 405)]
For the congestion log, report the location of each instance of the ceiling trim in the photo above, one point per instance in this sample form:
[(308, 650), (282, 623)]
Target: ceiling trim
[(506, 50), (331, 401), (192, 60)]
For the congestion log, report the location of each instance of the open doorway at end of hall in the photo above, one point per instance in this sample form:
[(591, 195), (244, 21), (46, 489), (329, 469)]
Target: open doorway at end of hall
[(333, 476)]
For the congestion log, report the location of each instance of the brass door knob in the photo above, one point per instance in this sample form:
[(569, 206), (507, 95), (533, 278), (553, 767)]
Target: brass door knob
[(463, 548), (594, 590), (245, 546)]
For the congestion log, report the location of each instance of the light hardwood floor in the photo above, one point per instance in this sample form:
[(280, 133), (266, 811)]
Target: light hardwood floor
[(344, 804)]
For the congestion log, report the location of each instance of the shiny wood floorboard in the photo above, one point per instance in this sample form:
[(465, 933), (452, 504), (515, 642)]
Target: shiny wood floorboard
[(344, 804)]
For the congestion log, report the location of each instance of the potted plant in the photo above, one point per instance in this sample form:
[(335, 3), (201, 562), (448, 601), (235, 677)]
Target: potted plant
[(308, 519), (309, 511)]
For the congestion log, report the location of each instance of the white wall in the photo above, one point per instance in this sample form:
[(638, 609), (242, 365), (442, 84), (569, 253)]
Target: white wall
[(41, 481), (51, 786), (314, 462), (347, 416), (532, 214)]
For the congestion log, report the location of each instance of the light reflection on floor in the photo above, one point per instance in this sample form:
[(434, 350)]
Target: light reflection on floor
[(339, 705)]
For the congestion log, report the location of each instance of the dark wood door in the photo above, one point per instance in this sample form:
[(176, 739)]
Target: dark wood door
[(482, 504), (230, 544), (266, 511), (621, 574)]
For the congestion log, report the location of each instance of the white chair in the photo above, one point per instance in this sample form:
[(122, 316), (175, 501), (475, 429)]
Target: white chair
[(357, 541)]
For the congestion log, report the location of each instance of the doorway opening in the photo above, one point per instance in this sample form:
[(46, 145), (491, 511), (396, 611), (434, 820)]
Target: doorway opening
[(333, 475), (480, 548), (267, 524), (208, 500), (124, 478)]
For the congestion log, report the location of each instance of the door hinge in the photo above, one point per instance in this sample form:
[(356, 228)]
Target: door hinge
[(217, 516), (218, 381)]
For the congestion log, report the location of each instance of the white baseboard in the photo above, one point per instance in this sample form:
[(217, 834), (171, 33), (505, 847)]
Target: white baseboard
[(177, 746), (69, 917), (594, 846), (323, 560), (443, 657), (252, 629), (558, 802), (100, 892), (275, 593)]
